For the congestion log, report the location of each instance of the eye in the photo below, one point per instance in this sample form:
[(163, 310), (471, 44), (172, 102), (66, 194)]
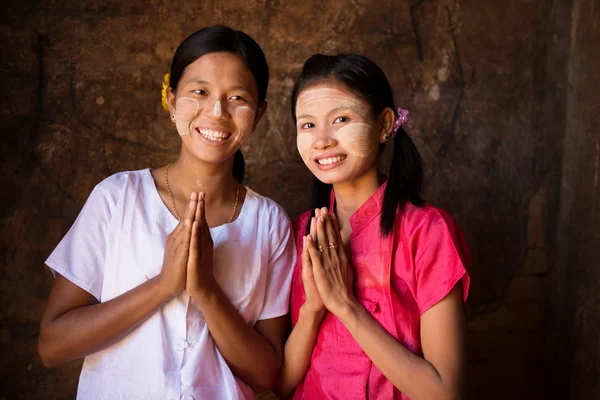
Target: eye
[(340, 120), (200, 92), (308, 125), (238, 98)]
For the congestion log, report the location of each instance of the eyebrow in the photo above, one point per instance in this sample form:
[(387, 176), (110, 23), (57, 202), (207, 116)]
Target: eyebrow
[(236, 87), (343, 108)]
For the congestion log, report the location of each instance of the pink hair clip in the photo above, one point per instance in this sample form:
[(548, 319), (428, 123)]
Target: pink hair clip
[(403, 119)]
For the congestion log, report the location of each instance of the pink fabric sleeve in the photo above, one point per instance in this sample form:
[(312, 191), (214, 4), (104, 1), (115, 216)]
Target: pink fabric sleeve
[(297, 296), (441, 259)]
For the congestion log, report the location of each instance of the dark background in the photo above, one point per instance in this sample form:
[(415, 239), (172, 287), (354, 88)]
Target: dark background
[(505, 99)]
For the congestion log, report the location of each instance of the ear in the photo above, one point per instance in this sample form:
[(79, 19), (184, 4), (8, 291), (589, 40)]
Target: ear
[(171, 104), (259, 114), (386, 121)]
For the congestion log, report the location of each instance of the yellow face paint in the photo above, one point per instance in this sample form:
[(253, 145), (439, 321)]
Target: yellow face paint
[(357, 139), (186, 109), (244, 120), (335, 122)]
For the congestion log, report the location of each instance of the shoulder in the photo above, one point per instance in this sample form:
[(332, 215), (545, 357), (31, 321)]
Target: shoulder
[(267, 209), (425, 218), (428, 228), (115, 184)]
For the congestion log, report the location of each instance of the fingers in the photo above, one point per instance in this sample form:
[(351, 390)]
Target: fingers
[(306, 263), (188, 217), (339, 239), (331, 238), (322, 239), (313, 228), (201, 212), (313, 252)]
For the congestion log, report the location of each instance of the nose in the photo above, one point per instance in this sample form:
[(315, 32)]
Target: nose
[(323, 139), (216, 108)]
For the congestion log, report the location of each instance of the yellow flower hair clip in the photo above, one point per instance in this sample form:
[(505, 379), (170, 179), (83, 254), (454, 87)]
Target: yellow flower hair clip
[(165, 86)]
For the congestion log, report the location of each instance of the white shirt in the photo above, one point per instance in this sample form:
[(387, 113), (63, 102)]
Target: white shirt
[(118, 242)]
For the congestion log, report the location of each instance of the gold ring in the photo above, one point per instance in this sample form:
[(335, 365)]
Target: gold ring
[(332, 245), (321, 248)]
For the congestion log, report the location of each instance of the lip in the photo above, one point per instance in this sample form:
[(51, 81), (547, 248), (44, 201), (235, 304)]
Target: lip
[(211, 142), (329, 166)]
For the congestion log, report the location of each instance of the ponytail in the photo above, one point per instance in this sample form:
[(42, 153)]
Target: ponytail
[(404, 181), (239, 167)]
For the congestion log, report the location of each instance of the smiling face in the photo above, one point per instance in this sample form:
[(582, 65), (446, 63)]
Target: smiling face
[(215, 106), (338, 137)]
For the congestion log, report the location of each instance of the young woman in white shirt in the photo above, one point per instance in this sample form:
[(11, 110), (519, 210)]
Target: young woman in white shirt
[(174, 282)]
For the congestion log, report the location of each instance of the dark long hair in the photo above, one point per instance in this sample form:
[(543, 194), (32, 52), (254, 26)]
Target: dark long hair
[(219, 38), (367, 81)]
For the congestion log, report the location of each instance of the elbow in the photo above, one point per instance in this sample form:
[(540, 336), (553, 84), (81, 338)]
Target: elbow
[(264, 383), (267, 379), (48, 354)]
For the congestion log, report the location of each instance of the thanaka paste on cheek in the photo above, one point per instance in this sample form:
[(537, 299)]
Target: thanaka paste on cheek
[(357, 139), (304, 144), (244, 119), (186, 109)]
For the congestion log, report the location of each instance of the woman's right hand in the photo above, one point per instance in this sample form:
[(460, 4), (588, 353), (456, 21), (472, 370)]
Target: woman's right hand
[(313, 302), (173, 275)]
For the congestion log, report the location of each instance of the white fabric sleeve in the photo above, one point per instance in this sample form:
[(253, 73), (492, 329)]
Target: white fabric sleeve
[(80, 255), (281, 266)]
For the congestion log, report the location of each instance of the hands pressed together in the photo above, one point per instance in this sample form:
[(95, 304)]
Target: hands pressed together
[(188, 259), (326, 272)]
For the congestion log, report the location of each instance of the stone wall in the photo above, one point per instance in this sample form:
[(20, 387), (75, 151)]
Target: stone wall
[(485, 82)]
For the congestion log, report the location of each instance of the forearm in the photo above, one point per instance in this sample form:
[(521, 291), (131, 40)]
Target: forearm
[(298, 351), (412, 375), (86, 330), (248, 353)]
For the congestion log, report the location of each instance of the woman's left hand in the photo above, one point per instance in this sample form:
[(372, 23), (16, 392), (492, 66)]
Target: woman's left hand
[(200, 276), (332, 272)]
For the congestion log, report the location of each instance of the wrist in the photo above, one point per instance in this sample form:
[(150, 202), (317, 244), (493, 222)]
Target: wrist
[(348, 311), (162, 289), (312, 315), (204, 290)]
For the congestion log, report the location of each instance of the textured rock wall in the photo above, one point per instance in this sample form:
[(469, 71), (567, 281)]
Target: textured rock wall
[(482, 80)]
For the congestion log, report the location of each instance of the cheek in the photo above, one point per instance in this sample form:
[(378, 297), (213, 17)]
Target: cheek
[(244, 119), (304, 143), (357, 139), (186, 110)]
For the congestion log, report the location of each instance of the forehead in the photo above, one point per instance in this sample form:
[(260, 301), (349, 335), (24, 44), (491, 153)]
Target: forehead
[(328, 96), (220, 67)]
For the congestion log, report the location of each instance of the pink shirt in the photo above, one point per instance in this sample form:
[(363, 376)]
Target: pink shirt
[(397, 279)]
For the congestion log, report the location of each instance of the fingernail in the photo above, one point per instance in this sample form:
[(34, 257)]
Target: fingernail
[(193, 196)]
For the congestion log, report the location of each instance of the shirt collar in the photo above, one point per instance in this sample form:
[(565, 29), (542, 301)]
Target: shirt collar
[(370, 209)]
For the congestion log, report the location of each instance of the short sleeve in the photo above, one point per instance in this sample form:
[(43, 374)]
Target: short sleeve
[(281, 262), (441, 260), (80, 255)]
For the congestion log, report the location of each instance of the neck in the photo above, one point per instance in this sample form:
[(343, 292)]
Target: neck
[(351, 195), (188, 174)]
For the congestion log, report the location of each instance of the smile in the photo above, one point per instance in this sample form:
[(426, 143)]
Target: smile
[(330, 160), (215, 136)]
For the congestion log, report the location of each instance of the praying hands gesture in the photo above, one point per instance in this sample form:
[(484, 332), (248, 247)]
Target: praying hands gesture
[(332, 275), (188, 259)]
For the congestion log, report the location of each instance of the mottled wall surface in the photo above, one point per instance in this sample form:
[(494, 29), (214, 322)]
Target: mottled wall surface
[(82, 101), (574, 347)]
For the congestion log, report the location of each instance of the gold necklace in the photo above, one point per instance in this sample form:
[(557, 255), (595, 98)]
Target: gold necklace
[(237, 197)]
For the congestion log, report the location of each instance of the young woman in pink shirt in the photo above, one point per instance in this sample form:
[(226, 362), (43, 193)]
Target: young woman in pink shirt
[(380, 281)]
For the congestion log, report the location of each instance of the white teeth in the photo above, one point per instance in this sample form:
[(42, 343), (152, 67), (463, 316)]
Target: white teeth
[(216, 136), (330, 160)]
